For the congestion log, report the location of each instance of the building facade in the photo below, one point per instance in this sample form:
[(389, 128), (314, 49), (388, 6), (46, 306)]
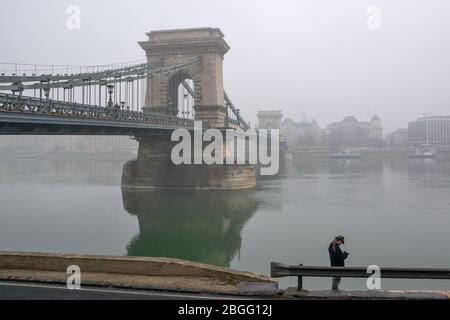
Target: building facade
[(429, 131), (353, 133), (301, 134), (398, 138)]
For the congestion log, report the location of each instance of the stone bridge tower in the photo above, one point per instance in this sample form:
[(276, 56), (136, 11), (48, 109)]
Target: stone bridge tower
[(169, 47), (153, 168)]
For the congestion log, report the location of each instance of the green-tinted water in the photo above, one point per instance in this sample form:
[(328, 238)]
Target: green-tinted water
[(393, 213)]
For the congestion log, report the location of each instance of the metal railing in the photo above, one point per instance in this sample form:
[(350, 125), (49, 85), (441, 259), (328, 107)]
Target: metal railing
[(48, 83), (278, 270), (16, 103), (10, 68), (239, 120), (141, 71)]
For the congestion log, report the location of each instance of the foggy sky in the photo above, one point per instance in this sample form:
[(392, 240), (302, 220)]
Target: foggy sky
[(313, 59)]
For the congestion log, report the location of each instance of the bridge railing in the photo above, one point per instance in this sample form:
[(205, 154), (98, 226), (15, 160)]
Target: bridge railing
[(116, 82), (16, 103), (278, 270), (114, 75), (233, 117), (7, 68), (233, 114)]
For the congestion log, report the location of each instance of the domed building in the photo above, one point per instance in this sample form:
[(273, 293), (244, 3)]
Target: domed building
[(353, 133)]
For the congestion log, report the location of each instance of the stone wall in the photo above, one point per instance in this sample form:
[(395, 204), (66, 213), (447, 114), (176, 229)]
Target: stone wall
[(145, 266)]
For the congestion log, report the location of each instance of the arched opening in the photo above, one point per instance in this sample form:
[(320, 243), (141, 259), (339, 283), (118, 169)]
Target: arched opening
[(181, 100)]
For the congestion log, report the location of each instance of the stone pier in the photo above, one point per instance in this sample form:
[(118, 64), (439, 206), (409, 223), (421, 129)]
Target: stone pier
[(154, 169)]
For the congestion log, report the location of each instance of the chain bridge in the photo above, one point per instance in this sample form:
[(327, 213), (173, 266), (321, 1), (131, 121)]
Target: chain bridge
[(181, 81)]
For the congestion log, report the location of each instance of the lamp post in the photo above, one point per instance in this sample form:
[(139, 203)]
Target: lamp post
[(47, 92), (18, 87), (47, 95), (67, 86), (100, 84), (110, 92)]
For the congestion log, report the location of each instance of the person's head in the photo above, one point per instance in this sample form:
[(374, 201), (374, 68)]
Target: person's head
[(340, 239)]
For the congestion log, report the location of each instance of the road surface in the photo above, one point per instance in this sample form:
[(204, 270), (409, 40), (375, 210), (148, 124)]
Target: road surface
[(32, 291)]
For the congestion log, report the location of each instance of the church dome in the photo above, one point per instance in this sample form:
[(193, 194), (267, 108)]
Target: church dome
[(349, 119)]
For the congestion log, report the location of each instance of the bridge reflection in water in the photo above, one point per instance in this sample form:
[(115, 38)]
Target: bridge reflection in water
[(199, 226)]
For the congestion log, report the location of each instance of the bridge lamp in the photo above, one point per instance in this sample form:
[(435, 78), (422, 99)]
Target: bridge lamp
[(18, 87), (47, 92), (110, 92), (15, 88)]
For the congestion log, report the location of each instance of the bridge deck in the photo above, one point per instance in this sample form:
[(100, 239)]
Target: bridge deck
[(14, 123), (26, 115)]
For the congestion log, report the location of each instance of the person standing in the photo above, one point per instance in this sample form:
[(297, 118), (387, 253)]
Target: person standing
[(337, 258)]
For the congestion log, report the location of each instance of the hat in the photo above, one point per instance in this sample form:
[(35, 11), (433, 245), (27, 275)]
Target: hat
[(340, 237)]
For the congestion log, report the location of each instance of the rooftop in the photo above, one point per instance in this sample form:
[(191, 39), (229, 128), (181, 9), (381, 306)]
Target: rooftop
[(375, 118), (434, 118), (349, 119)]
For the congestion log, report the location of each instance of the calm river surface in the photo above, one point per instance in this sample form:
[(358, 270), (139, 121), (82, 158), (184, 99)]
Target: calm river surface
[(392, 213)]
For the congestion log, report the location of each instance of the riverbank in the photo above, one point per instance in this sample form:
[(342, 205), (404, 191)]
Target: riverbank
[(148, 274), (386, 153)]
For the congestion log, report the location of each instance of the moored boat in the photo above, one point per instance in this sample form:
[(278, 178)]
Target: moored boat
[(345, 155), (422, 155)]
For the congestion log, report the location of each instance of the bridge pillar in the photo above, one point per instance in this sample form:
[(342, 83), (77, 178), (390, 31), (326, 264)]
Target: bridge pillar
[(154, 168), (168, 47)]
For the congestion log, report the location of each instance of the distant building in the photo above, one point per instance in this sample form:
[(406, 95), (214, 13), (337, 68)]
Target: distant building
[(376, 129), (301, 134), (398, 138), (433, 130), (269, 119), (352, 133)]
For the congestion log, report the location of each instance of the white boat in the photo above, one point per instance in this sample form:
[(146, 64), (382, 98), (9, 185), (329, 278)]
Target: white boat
[(345, 155), (422, 155)]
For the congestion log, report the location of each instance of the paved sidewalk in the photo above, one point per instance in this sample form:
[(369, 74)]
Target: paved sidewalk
[(368, 295)]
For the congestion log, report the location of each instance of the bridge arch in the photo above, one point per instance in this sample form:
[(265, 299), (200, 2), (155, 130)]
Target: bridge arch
[(169, 47), (179, 98)]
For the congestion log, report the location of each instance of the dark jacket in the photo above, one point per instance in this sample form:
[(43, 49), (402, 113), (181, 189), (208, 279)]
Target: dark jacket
[(337, 257)]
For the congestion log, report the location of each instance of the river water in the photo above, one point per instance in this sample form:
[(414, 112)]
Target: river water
[(393, 213)]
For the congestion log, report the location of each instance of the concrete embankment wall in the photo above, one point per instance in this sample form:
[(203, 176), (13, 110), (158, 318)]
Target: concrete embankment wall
[(139, 266)]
